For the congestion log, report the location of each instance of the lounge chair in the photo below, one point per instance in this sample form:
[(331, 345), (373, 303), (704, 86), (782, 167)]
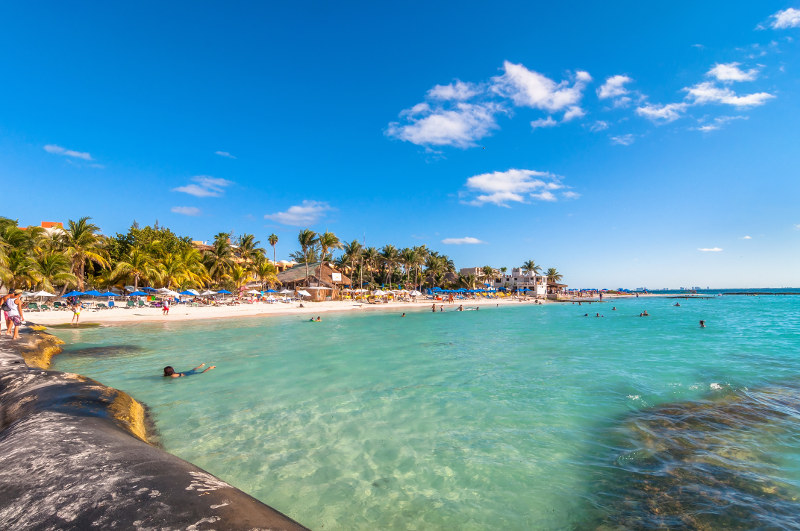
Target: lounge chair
[(141, 304), (101, 306), (130, 304), (32, 307), (59, 306), (44, 308)]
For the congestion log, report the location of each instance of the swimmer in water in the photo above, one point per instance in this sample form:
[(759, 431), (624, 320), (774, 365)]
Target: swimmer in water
[(702, 324), (404, 314), (169, 372), (461, 308), (677, 304), (614, 309), (433, 308)]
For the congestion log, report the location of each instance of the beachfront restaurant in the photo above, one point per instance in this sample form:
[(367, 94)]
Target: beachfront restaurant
[(326, 281)]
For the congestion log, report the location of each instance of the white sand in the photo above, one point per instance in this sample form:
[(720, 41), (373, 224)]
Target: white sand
[(181, 312)]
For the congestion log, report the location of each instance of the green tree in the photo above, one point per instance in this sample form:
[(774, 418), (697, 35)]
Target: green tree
[(307, 239), (52, 269), (327, 241), (83, 243), (273, 241), (219, 259), (389, 259), (137, 265), (531, 267), (553, 276)]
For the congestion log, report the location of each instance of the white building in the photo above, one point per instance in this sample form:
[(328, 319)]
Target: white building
[(519, 279)]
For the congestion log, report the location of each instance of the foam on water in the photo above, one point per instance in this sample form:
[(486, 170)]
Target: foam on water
[(504, 417)]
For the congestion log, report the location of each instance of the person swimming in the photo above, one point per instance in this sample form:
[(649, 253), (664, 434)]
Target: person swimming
[(169, 372), (702, 324)]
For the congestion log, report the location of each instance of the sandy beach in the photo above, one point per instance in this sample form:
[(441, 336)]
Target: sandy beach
[(185, 312)]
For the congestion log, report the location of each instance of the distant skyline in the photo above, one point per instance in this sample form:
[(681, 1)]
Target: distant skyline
[(626, 146)]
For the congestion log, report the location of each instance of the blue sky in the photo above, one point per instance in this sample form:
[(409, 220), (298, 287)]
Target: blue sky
[(627, 146)]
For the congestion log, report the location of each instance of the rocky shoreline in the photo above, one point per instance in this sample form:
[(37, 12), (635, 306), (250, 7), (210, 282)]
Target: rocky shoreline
[(75, 454)]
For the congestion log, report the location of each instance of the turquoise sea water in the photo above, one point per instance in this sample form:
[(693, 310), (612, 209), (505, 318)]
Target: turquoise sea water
[(526, 417)]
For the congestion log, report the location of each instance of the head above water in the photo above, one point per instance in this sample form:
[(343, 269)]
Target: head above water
[(168, 371)]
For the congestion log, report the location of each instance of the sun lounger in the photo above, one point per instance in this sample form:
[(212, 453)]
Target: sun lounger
[(32, 307), (44, 308)]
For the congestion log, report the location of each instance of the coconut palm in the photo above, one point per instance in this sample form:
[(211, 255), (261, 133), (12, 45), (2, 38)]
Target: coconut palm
[(138, 265), (531, 267), (370, 258), (307, 239), (83, 243), (389, 258), (249, 249), (219, 259), (267, 273), (52, 269), (327, 241), (273, 241), (239, 276), (553, 276)]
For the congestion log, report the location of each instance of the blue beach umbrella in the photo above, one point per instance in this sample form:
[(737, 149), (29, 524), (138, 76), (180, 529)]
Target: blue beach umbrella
[(149, 289), (137, 293), (109, 294), (73, 293), (270, 291), (226, 292), (93, 293), (189, 292)]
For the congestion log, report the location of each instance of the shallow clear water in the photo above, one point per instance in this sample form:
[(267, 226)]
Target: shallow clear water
[(517, 417)]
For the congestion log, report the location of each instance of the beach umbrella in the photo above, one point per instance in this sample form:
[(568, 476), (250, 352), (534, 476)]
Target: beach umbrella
[(93, 293), (189, 292), (224, 292), (42, 294), (137, 294), (286, 291), (73, 293), (109, 294), (254, 292), (415, 293), (208, 292), (270, 291), (304, 293)]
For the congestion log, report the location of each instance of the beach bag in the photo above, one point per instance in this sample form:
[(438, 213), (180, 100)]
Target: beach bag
[(5, 307)]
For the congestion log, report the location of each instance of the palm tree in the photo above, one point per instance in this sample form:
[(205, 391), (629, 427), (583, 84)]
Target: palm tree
[(219, 259), (420, 255), (273, 241), (51, 269), (369, 258), (327, 240), (351, 257), (172, 270), (307, 239), (138, 265), (389, 257), (531, 267), (267, 273), (553, 276), (82, 243), (196, 272), (249, 250), (239, 276)]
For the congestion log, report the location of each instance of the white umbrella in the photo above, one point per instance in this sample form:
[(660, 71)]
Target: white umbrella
[(42, 294), (379, 292), (207, 293), (286, 291), (254, 292), (415, 293), (304, 293)]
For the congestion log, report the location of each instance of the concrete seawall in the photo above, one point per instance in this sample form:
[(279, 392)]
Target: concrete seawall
[(73, 455)]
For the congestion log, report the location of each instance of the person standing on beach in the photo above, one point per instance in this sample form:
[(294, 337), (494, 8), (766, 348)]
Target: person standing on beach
[(12, 304), (165, 307), (76, 312)]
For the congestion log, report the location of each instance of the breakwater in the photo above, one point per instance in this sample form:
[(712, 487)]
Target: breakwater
[(74, 455)]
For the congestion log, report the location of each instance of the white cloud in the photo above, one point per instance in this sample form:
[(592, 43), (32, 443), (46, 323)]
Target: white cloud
[(797, 227), (599, 125), (614, 87), (459, 127), (206, 186), (186, 211), (224, 154), (746, 238), (467, 240), (518, 186), (788, 18), (663, 113), (527, 88), (544, 122), (707, 92), (573, 112), (731, 72), (306, 213), (58, 150), (458, 91), (710, 249), (570, 195), (718, 123), (623, 140)]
